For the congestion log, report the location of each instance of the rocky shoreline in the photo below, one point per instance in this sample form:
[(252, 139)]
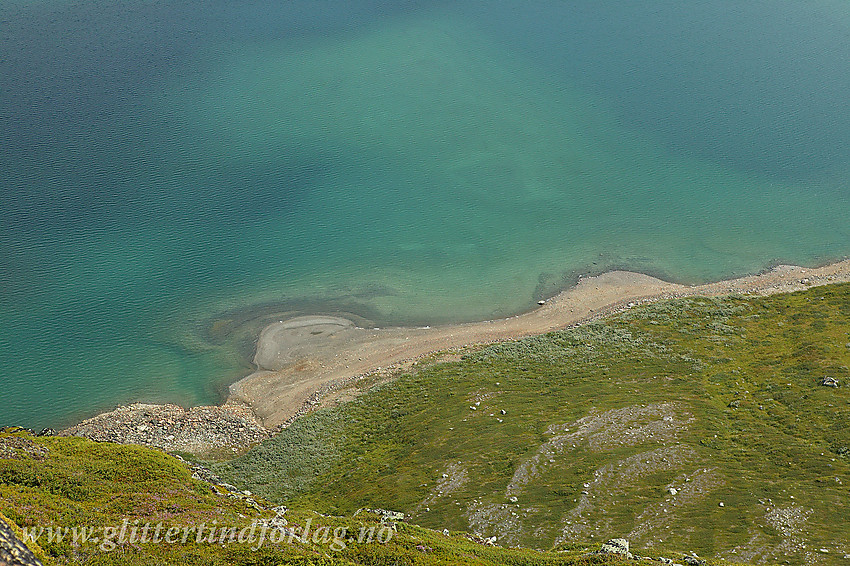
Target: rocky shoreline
[(271, 399), (220, 429)]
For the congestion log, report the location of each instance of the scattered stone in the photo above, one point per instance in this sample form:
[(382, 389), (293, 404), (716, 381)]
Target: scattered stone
[(18, 448), (278, 520), (504, 412), (513, 499), (673, 491), (720, 504), (692, 561), (734, 404), (386, 515), (220, 487), (829, 382), (541, 302), (616, 546), (198, 430)]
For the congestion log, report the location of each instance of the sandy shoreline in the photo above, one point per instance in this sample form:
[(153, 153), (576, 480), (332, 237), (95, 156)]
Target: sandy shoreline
[(300, 357)]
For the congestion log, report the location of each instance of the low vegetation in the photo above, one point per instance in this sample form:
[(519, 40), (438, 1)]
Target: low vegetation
[(113, 491), (686, 425)]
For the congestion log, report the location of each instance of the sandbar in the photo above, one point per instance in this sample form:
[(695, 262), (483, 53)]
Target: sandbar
[(295, 358)]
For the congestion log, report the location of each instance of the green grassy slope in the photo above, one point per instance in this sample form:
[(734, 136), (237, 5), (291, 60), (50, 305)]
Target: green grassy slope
[(718, 399), (73, 483)]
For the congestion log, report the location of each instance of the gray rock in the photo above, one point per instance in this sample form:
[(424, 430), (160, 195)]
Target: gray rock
[(13, 552), (388, 516), (616, 546), (691, 561), (829, 382)]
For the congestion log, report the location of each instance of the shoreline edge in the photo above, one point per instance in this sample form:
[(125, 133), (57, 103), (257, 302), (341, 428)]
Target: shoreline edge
[(300, 360)]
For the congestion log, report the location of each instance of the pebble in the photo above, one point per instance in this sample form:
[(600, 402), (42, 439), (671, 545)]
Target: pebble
[(170, 427)]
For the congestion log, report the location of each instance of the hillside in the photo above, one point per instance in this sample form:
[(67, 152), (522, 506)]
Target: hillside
[(685, 425), (113, 491)]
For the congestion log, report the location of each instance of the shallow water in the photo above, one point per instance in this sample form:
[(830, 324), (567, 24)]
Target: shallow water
[(170, 174)]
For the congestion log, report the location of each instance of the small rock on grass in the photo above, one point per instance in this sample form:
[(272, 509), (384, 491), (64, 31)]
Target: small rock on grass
[(616, 546)]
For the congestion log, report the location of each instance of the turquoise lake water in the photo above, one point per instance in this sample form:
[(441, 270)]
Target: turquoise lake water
[(175, 174)]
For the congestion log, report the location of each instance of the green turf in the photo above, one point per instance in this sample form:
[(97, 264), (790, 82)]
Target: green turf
[(717, 398), (729, 388), (73, 483)]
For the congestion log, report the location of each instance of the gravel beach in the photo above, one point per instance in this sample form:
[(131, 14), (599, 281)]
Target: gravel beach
[(300, 359)]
